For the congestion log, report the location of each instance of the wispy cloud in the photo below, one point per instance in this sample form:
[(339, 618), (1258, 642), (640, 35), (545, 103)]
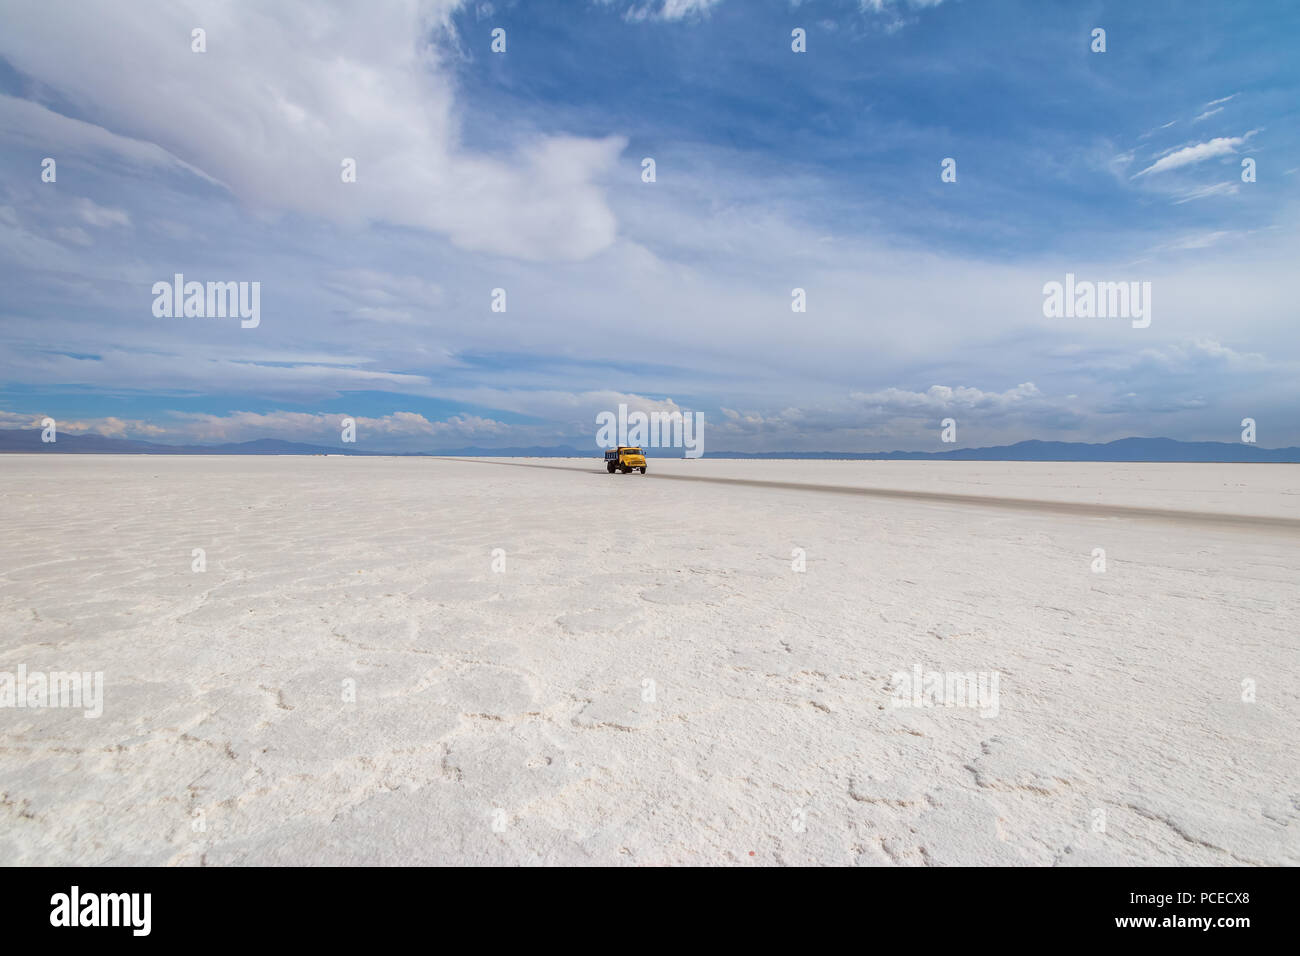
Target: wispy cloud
[(1202, 240), (668, 10), (1204, 192), (1151, 132), (884, 6), (1219, 146), (102, 216)]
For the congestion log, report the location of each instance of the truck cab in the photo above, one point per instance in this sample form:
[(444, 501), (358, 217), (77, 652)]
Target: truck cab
[(623, 459)]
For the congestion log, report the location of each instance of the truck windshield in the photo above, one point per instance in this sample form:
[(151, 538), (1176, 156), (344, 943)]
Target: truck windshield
[(631, 451)]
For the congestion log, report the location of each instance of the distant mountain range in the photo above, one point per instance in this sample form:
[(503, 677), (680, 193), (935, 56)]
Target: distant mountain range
[(1125, 449)]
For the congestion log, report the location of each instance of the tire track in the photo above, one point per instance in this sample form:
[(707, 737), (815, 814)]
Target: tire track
[(1290, 526)]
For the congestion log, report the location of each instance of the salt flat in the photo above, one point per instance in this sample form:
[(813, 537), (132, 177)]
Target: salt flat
[(644, 678)]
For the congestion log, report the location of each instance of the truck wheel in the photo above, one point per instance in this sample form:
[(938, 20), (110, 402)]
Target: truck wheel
[(610, 468), (643, 469)]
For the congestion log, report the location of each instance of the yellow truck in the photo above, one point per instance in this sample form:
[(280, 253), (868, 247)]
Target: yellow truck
[(624, 458)]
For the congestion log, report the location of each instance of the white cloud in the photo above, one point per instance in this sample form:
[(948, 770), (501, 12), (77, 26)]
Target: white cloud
[(1151, 132), (1218, 189), (667, 10), (946, 398), (325, 426), (1202, 240), (73, 235), (1185, 357), (271, 118), (19, 420), (407, 430), (862, 421), (677, 9), (102, 216), (113, 427), (1219, 146), (886, 6), (31, 124)]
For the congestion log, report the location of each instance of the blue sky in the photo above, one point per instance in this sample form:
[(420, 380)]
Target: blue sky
[(775, 170)]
